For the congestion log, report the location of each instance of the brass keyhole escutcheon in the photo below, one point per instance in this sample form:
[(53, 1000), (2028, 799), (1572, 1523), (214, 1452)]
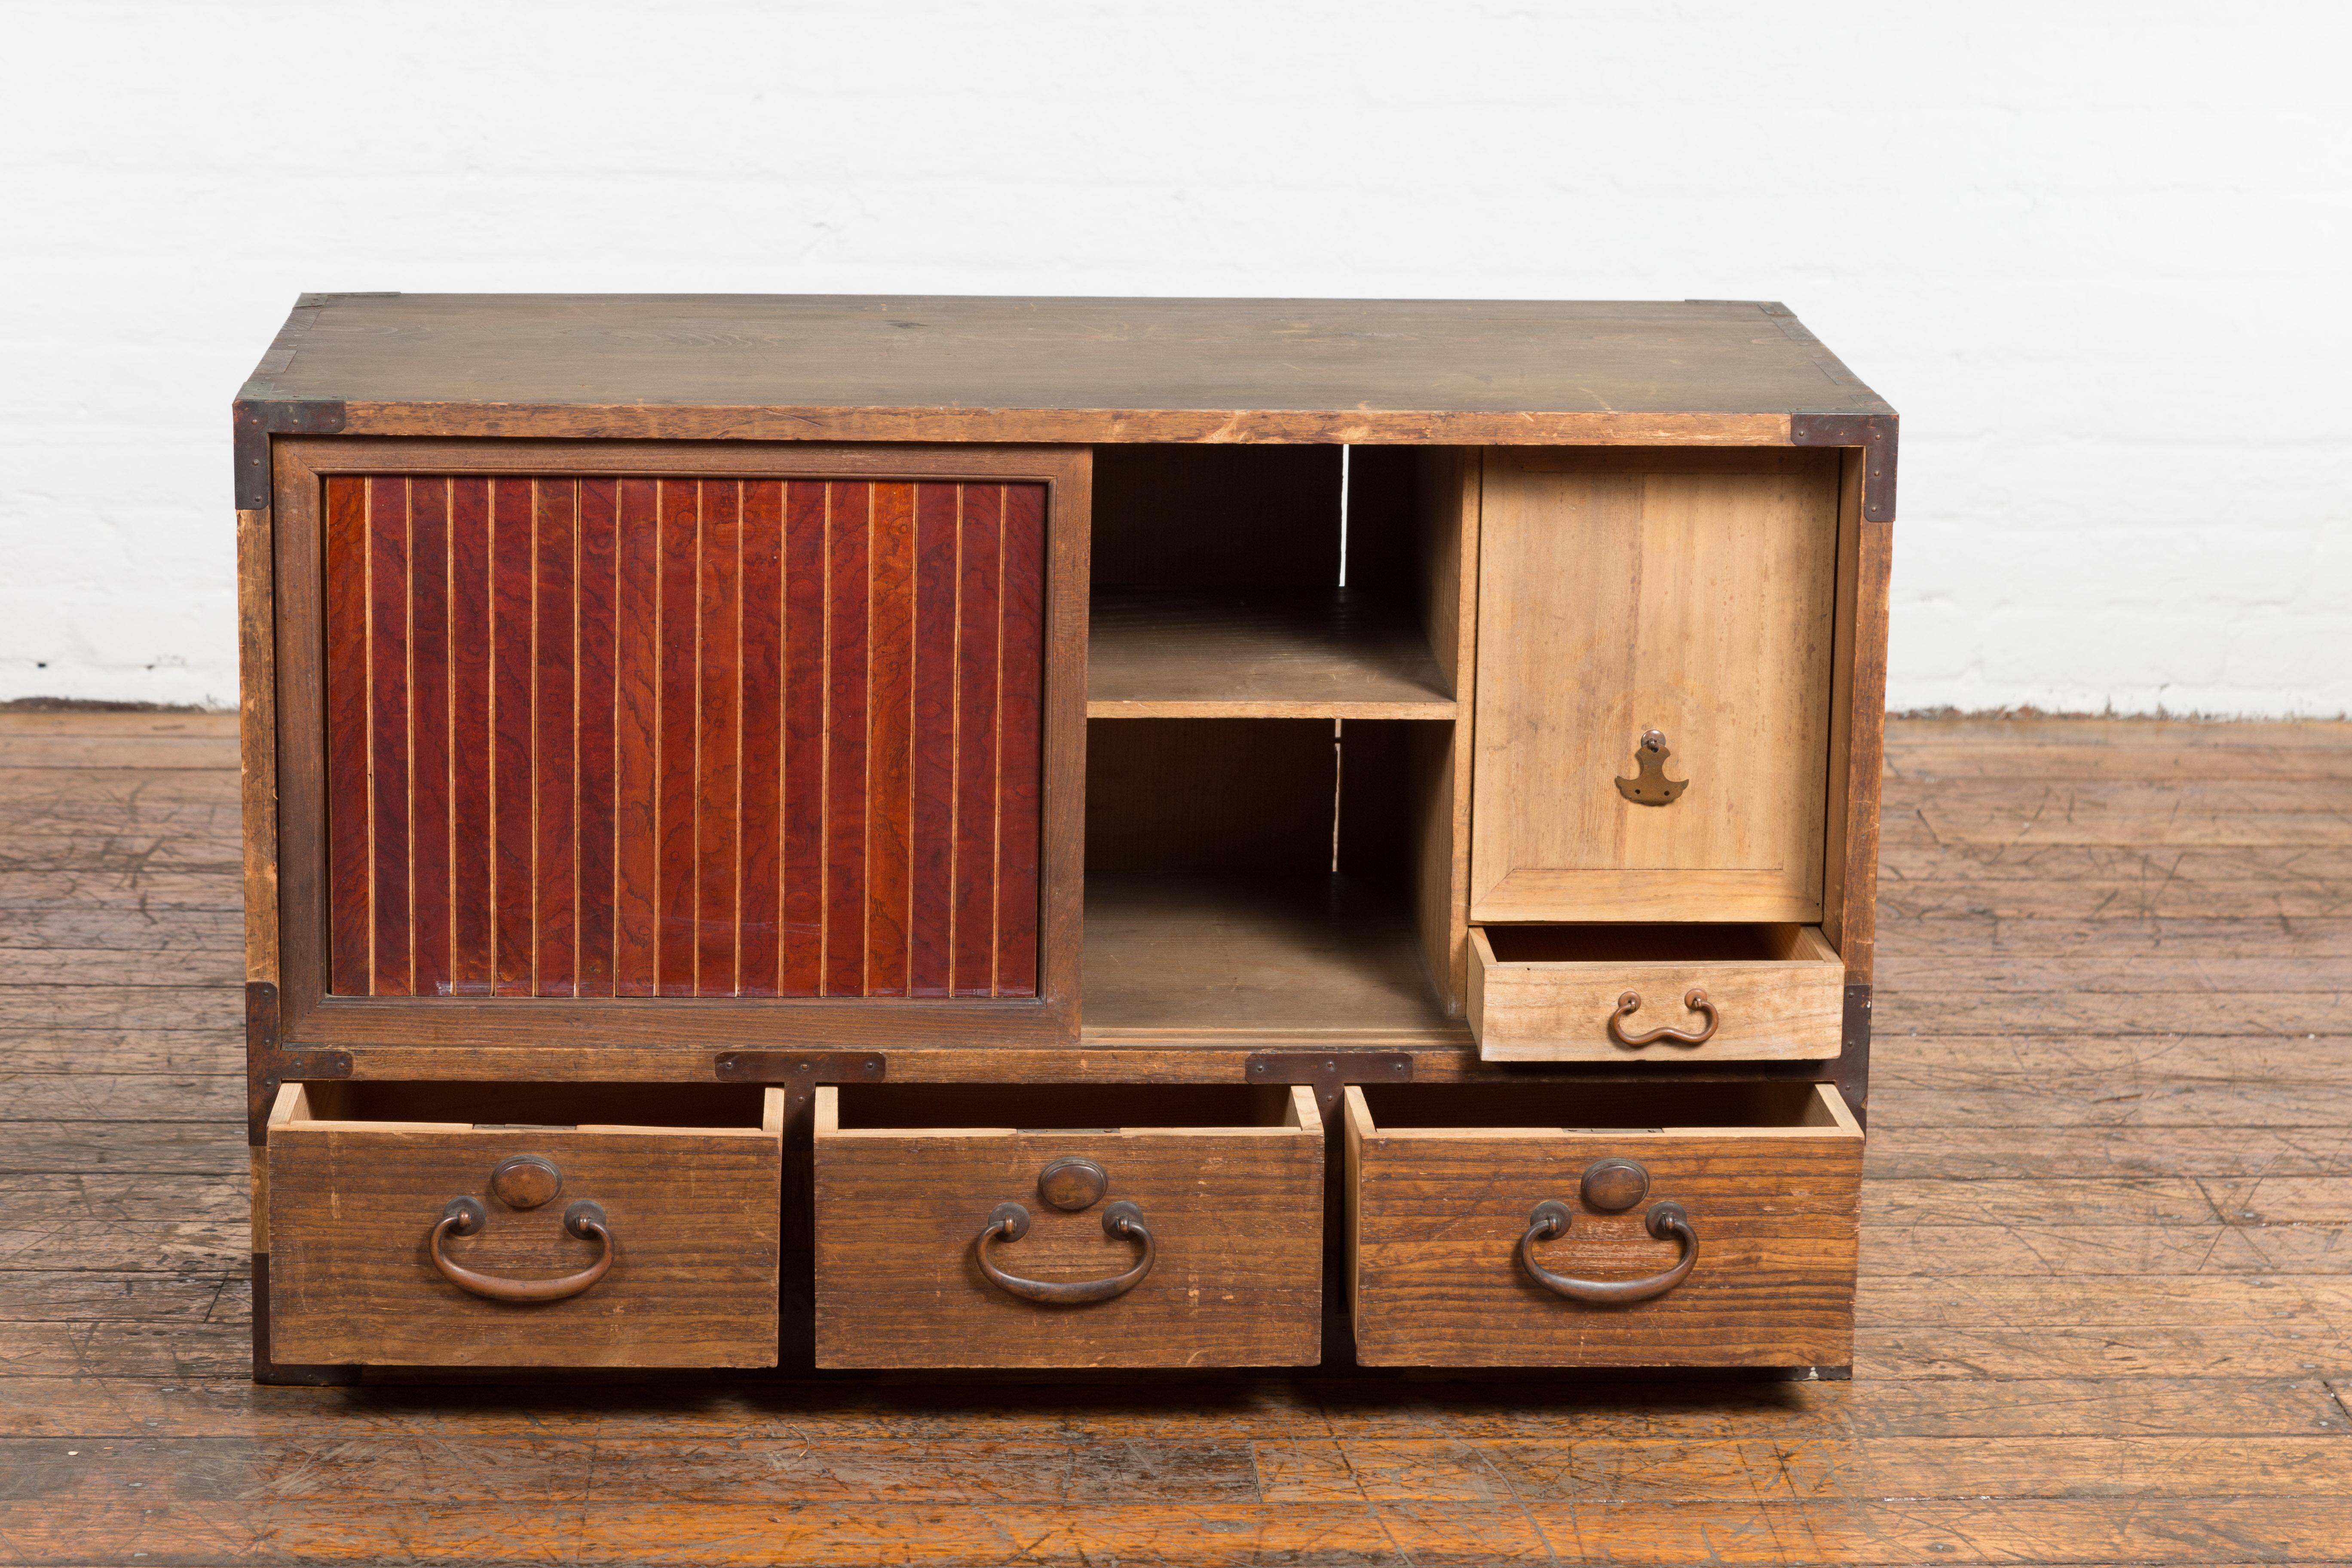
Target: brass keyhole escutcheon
[(1651, 786), (1073, 1184)]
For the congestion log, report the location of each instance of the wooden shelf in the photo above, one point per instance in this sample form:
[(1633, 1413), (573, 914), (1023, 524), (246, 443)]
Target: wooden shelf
[(1256, 962), (1175, 654)]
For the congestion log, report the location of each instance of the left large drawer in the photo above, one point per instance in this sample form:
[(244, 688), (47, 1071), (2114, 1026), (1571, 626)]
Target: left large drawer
[(506, 1225)]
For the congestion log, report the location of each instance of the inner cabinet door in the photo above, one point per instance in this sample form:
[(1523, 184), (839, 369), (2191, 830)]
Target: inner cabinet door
[(632, 735), (1626, 591)]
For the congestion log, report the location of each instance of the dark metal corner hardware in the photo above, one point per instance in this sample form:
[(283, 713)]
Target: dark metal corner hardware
[(257, 419), (1328, 1072), (800, 1072), (1874, 434), (1853, 1066), (268, 1065)]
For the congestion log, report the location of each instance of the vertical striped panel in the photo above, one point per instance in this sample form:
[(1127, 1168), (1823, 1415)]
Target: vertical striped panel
[(555, 726), (930, 894), (889, 763), (428, 736), (637, 661), (598, 619), (513, 782), (848, 661), (388, 676), (612, 736), (978, 604), (1021, 740), (758, 952), (803, 958), (718, 754), (677, 718), (352, 940), (469, 737)]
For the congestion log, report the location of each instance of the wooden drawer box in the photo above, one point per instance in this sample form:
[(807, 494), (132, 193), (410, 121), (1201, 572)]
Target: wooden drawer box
[(1444, 1183), (913, 1188), (1570, 994), (685, 1179)]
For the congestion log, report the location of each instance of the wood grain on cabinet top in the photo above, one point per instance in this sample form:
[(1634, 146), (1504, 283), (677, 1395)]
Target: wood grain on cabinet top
[(974, 368)]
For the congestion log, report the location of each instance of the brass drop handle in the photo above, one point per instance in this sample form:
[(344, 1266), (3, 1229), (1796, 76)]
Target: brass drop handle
[(466, 1216), (1695, 999), (1010, 1222), (1663, 1220)]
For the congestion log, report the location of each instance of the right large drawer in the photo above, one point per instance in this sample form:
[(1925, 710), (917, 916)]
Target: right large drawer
[(1549, 1225)]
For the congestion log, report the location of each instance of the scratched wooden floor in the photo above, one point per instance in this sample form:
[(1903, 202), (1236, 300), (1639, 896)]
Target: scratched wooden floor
[(2106, 1311)]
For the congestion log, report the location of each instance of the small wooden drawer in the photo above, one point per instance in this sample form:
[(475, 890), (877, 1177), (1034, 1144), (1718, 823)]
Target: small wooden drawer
[(465, 1224), (1456, 1191), (1560, 993), (942, 1241)]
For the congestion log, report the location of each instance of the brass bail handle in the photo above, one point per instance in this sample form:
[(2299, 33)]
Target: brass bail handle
[(1695, 999), (522, 1182), (466, 1216), (1611, 1186), (1650, 785), (1010, 1222)]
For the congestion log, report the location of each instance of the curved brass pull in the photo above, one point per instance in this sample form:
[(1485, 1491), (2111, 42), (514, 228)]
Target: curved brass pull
[(464, 1217), (1663, 1220), (1010, 1223), (1630, 1002)]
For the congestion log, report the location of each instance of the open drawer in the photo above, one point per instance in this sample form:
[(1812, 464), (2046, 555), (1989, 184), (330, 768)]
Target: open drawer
[(1672, 993), (1602, 1224), (525, 1224), (1159, 1225)]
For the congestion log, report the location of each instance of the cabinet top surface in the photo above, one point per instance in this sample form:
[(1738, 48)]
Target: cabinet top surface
[(1077, 367)]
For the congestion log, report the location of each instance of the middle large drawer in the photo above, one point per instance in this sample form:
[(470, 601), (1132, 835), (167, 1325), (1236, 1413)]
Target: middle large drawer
[(963, 1226)]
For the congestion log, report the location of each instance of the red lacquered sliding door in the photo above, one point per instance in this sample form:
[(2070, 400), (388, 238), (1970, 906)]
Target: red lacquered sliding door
[(630, 730)]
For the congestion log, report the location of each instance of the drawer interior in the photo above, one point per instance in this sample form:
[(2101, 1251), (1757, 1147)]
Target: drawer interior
[(1057, 1108), (703, 1106), (1663, 943), (1609, 1107)]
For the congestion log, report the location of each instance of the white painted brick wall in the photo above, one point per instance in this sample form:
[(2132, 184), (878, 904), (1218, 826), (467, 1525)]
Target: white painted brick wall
[(2096, 253)]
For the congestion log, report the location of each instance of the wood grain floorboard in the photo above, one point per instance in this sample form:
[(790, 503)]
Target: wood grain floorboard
[(2105, 1305)]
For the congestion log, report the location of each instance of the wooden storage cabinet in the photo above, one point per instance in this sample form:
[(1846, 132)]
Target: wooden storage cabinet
[(1454, 1193), (916, 1204), (682, 1182), (816, 771)]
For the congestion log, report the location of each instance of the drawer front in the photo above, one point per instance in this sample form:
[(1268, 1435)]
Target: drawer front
[(611, 735), (692, 1217), (1623, 591), (1235, 1215), (1438, 1217), (1570, 1011)]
